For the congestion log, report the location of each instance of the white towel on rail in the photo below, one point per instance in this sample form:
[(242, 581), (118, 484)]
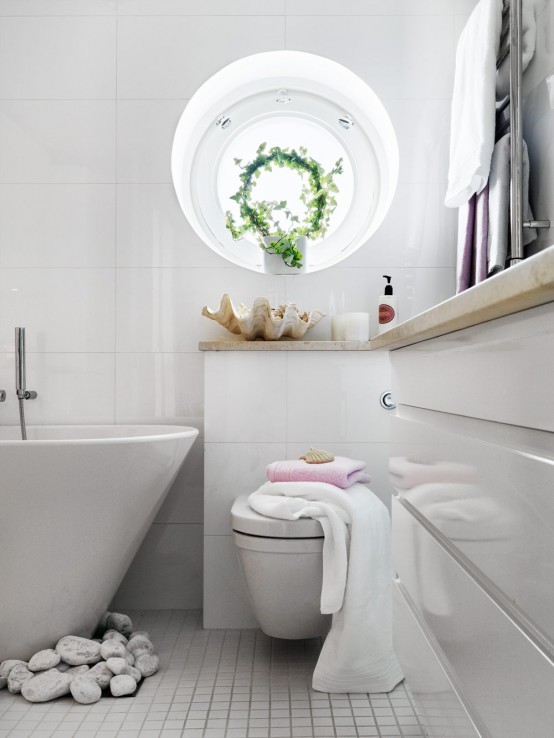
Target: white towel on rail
[(474, 103), (357, 655)]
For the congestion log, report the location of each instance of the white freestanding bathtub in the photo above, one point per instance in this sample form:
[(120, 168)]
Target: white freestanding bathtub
[(75, 504)]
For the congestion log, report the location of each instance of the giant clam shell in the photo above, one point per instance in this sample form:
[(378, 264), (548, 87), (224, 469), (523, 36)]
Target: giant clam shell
[(261, 320)]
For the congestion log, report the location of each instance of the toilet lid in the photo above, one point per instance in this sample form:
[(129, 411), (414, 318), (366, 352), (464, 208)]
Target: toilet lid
[(246, 520)]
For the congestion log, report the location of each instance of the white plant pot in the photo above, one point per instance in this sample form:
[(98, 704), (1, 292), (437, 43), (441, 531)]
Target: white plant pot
[(274, 264)]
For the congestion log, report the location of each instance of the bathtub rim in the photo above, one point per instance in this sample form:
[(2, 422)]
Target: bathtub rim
[(151, 433)]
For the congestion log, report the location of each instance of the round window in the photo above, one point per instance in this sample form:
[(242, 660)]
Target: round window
[(279, 146)]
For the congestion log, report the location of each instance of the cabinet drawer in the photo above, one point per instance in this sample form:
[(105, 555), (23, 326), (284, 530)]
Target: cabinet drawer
[(506, 678), (440, 709), (489, 489)]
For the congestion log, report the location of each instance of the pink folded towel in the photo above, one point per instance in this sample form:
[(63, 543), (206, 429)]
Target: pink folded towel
[(342, 472)]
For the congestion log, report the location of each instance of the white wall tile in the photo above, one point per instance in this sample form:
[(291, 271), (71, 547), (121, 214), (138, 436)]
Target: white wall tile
[(145, 130), (168, 57), (152, 230), (336, 397), (62, 309), (224, 585), (422, 129), (57, 141), (418, 231), (160, 309), (57, 57), (233, 469), (155, 388), (166, 573), (45, 225), (200, 7), (399, 57), (185, 500), (369, 7), (246, 398), (376, 456), (72, 388), (57, 7), (464, 7)]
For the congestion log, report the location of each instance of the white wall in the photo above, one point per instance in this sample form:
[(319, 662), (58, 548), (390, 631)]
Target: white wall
[(327, 400), (96, 259)]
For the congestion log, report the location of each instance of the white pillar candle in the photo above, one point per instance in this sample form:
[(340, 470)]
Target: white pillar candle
[(337, 327), (356, 326)]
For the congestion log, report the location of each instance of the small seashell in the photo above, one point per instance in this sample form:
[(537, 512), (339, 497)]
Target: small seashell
[(317, 456)]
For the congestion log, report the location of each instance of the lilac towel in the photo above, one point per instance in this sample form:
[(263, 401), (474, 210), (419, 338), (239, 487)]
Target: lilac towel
[(342, 472), (473, 234)]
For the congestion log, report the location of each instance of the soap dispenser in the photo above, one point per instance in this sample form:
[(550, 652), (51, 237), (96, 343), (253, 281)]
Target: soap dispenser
[(388, 314)]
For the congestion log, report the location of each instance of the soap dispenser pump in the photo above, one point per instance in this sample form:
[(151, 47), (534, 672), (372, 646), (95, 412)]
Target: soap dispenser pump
[(388, 314)]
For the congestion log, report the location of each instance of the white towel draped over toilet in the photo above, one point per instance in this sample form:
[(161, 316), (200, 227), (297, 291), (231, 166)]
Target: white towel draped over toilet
[(357, 655)]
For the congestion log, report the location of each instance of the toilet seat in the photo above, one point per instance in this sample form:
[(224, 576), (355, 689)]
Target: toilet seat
[(248, 522)]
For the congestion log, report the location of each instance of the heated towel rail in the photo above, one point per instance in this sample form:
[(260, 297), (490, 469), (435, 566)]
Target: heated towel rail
[(511, 44)]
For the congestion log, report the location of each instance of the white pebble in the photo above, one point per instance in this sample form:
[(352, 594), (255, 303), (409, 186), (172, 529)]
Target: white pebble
[(43, 660), (117, 665), (18, 675), (85, 690), (120, 622), (140, 643), (112, 649), (100, 674), (135, 673), (139, 633), (129, 658), (147, 664), (7, 666), (122, 684), (46, 686), (75, 650), (76, 671), (114, 635)]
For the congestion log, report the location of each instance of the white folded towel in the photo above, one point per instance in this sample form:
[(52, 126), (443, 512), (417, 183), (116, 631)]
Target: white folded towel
[(357, 655), (474, 103)]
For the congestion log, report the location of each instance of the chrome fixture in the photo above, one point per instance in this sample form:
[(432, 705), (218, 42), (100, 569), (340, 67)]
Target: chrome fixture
[(283, 97), (224, 121), (386, 400), (512, 45), (347, 121), (20, 379)]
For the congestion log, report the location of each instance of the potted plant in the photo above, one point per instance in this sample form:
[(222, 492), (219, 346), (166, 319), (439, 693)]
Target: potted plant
[(280, 233)]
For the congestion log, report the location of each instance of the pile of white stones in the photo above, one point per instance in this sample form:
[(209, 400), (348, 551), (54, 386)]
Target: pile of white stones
[(85, 667)]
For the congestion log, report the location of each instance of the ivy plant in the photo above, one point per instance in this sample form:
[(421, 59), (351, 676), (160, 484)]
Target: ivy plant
[(274, 218)]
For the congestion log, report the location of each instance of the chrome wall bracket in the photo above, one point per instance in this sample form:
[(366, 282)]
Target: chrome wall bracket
[(386, 400)]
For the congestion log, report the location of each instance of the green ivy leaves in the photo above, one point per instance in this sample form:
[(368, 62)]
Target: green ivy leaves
[(259, 218)]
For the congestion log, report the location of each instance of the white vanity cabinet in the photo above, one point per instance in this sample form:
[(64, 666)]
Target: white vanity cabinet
[(472, 452)]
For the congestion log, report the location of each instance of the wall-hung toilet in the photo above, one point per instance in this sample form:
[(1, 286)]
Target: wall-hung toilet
[(281, 561)]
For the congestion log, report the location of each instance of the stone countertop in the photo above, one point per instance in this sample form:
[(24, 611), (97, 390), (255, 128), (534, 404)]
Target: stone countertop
[(527, 285), (283, 345)]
